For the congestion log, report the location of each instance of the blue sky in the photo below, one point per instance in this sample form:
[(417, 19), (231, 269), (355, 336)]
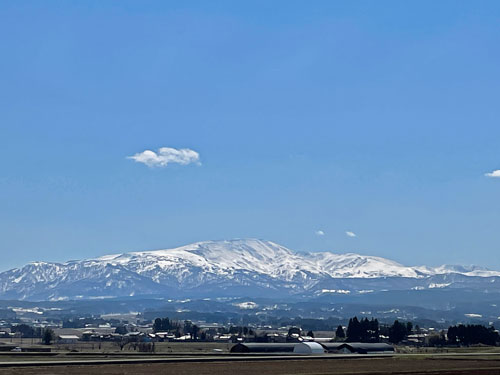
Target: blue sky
[(379, 118)]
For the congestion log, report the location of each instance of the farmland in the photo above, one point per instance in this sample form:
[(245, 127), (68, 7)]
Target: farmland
[(455, 365), (214, 358)]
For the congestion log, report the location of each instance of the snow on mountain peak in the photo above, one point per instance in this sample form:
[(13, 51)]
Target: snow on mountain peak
[(266, 257), (218, 266)]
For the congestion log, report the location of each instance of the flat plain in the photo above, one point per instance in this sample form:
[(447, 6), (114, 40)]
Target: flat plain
[(399, 364), (214, 358)]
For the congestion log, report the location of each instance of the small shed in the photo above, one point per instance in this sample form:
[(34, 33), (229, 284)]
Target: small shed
[(308, 347), (263, 348)]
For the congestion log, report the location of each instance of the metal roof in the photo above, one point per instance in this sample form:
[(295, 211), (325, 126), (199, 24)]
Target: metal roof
[(69, 337), (308, 347), (255, 347), (366, 347)]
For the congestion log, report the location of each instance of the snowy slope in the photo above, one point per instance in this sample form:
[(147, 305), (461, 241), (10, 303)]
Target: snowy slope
[(220, 268)]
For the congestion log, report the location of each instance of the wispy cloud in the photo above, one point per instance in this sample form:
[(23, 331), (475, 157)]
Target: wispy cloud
[(165, 156), (494, 174), (350, 234), (319, 233)]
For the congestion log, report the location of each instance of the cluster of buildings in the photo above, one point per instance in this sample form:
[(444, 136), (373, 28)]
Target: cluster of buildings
[(132, 329)]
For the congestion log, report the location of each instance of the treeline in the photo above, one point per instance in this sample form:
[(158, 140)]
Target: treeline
[(187, 327), (472, 334), (240, 331), (25, 331), (165, 325), (398, 331), (365, 330), (178, 328)]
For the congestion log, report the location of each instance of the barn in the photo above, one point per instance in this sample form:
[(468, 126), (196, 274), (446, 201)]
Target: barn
[(308, 347), (263, 348), (331, 347), (365, 348)]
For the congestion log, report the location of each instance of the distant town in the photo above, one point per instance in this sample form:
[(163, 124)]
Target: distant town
[(135, 332)]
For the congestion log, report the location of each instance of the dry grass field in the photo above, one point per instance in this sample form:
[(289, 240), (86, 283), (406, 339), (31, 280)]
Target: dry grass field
[(402, 365), (474, 360)]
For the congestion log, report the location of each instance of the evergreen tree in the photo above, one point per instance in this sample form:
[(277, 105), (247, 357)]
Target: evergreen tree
[(194, 332), (365, 330), (188, 327), (339, 333), (353, 330), (371, 331), (48, 336), (157, 325), (397, 332), (166, 325)]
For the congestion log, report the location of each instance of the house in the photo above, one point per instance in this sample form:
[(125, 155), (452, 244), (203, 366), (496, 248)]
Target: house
[(224, 338), (417, 339), (67, 339)]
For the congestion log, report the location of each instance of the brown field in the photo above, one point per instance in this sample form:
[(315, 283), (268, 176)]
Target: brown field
[(360, 366), (447, 361)]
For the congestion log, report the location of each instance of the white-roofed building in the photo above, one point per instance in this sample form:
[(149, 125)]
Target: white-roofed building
[(308, 347), (67, 339)]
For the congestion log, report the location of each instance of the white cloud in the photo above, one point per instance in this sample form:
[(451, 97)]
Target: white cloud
[(493, 174), (165, 156), (319, 233), (350, 234)]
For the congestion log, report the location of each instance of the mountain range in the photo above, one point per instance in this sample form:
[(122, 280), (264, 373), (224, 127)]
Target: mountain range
[(242, 267)]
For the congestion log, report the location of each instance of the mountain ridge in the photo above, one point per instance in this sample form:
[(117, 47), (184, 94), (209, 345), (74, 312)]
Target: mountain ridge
[(229, 267)]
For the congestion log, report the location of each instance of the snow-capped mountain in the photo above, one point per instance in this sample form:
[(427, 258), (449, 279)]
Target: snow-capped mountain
[(230, 268)]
